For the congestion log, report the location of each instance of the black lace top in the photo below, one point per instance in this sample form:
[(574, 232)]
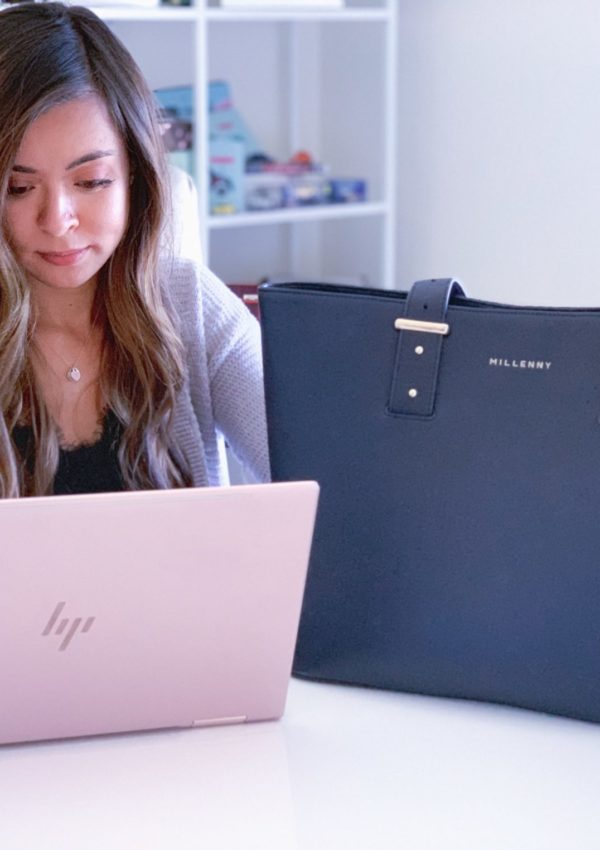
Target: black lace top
[(87, 468)]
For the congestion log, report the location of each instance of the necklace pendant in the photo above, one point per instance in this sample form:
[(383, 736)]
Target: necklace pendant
[(73, 374)]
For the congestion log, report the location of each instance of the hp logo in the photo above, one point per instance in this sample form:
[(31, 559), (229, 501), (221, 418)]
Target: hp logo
[(66, 627)]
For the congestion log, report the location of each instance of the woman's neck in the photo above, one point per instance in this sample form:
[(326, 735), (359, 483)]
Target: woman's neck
[(66, 310)]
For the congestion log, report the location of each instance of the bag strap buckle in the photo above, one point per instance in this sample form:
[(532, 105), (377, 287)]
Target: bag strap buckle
[(402, 324), (419, 348)]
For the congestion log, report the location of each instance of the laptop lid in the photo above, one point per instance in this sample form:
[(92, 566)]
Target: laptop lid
[(144, 610)]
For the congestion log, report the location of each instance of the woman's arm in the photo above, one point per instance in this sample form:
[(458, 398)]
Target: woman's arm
[(234, 358)]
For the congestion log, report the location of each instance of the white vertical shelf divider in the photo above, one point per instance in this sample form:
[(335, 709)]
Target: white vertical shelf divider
[(391, 107), (304, 243), (201, 130)]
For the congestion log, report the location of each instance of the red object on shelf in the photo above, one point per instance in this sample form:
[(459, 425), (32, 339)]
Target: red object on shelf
[(248, 292), (302, 158)]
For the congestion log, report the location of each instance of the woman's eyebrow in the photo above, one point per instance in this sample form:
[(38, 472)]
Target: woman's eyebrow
[(87, 157)]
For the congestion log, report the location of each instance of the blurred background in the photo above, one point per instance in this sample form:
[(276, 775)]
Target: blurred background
[(374, 142)]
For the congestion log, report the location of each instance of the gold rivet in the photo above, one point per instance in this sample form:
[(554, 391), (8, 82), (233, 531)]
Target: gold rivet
[(413, 393), (419, 349)]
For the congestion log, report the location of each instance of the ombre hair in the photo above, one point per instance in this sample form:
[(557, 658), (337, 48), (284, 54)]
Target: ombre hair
[(51, 54)]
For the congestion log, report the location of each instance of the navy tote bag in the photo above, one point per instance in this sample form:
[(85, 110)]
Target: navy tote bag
[(457, 445)]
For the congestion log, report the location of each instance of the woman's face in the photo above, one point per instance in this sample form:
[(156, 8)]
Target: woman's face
[(68, 196)]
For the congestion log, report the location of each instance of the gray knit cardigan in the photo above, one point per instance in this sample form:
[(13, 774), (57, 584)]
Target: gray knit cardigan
[(224, 391)]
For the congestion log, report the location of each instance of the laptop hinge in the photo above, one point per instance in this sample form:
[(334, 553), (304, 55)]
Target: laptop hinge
[(220, 721)]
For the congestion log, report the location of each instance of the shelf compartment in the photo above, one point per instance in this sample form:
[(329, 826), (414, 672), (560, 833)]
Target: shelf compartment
[(298, 214)]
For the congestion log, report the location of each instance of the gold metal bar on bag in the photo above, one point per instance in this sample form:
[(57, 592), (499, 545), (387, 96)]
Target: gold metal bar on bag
[(423, 327)]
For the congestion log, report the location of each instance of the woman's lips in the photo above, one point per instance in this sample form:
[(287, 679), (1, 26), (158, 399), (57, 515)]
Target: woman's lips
[(63, 258)]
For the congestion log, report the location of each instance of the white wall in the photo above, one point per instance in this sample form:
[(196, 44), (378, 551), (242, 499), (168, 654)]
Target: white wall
[(499, 147)]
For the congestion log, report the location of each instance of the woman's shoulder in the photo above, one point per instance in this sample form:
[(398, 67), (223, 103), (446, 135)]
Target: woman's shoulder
[(193, 289), (182, 282), (180, 278), (186, 279)]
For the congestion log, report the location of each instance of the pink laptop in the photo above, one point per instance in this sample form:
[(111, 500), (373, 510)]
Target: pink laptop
[(147, 610)]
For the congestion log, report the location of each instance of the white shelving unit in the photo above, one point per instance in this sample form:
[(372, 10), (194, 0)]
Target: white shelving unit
[(325, 81)]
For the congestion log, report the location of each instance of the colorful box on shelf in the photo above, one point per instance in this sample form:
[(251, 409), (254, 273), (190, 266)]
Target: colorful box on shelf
[(226, 163), (278, 188), (265, 191), (176, 118), (347, 190), (177, 100), (230, 145), (225, 121)]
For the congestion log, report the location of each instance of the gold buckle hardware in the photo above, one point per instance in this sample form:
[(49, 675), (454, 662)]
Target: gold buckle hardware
[(422, 327)]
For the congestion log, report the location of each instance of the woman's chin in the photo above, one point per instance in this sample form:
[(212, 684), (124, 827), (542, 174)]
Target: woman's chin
[(68, 278)]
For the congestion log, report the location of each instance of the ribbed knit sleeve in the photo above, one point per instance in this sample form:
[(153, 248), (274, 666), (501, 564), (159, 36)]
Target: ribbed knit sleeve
[(236, 375), (225, 376)]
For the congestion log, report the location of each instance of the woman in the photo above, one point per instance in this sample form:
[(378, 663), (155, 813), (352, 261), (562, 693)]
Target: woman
[(118, 368)]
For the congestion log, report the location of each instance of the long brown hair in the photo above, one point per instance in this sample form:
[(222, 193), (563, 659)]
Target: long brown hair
[(50, 54)]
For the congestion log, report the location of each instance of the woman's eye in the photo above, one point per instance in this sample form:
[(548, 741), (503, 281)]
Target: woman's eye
[(18, 191), (95, 184)]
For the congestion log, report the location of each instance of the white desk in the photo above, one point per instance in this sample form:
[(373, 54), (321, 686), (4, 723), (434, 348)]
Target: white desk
[(345, 768)]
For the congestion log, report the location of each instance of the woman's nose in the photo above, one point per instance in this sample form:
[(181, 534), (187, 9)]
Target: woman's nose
[(57, 214)]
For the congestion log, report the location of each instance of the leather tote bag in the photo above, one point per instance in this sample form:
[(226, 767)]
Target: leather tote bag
[(457, 445)]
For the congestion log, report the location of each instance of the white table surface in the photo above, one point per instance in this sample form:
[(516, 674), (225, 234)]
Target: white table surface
[(345, 768)]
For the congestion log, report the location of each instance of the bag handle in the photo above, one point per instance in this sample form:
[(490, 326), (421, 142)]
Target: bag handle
[(419, 347)]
